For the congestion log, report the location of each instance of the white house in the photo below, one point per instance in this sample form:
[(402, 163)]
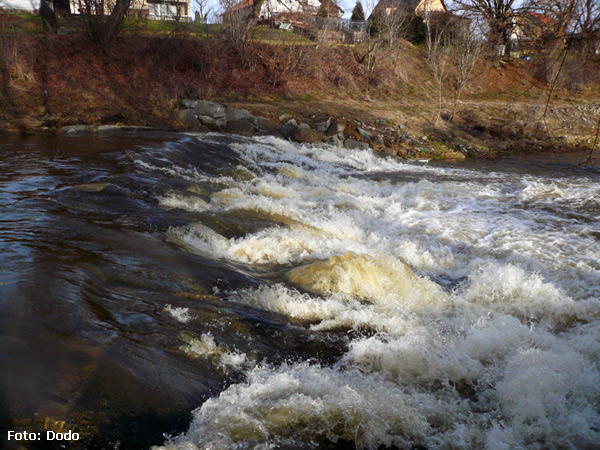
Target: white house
[(272, 9), (25, 5)]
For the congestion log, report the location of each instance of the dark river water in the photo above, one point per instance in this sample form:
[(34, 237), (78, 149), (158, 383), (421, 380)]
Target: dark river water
[(207, 292)]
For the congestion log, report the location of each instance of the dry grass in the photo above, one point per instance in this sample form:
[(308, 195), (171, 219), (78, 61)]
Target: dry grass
[(59, 80)]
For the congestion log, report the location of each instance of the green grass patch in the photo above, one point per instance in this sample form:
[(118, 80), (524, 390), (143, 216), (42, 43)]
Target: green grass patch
[(31, 23), (276, 35)]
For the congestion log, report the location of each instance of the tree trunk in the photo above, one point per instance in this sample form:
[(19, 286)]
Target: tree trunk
[(254, 12), (113, 23)]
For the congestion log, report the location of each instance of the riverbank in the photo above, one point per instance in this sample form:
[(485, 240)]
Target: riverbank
[(62, 81), (393, 127)]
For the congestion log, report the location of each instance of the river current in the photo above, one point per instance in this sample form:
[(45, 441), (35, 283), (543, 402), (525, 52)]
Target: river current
[(211, 292)]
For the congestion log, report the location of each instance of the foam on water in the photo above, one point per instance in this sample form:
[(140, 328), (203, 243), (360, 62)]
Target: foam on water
[(181, 314), (474, 300), (296, 403), (224, 358), (183, 202), (373, 279)]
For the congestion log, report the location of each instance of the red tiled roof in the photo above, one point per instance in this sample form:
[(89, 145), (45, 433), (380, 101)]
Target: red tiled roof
[(243, 4), (544, 18)]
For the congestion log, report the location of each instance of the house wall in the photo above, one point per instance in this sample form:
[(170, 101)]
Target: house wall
[(156, 10), (275, 7), (168, 10), (430, 6), (25, 5)]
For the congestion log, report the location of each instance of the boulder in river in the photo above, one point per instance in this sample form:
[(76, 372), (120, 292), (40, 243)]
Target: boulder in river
[(353, 144), (308, 135), (268, 126), (188, 118), (209, 109), (241, 127), (322, 127), (240, 114), (336, 127), (211, 123), (289, 129)]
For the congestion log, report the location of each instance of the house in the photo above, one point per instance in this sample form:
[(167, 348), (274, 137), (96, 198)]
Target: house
[(22, 5), (530, 26), (151, 9), (293, 10), (168, 9), (417, 7)]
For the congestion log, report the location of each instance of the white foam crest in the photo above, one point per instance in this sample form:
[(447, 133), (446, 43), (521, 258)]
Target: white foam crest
[(509, 289), (296, 404), (206, 348), (570, 189), (316, 157), (181, 314), (415, 357), (460, 350), (550, 399), (329, 313), (187, 202), (374, 279), (276, 245)]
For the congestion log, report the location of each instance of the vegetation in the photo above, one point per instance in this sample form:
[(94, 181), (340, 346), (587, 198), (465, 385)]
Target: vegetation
[(323, 9), (49, 80), (358, 13)]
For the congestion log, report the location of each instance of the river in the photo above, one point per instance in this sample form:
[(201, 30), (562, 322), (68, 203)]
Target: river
[(205, 291)]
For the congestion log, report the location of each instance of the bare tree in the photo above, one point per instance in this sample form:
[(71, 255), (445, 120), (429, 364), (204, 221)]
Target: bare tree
[(574, 23), (564, 26), (204, 11), (104, 18), (465, 51), (496, 14), (386, 26), (587, 25), (236, 24), (439, 61)]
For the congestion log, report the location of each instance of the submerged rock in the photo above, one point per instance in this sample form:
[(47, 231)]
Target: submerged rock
[(78, 129), (380, 279)]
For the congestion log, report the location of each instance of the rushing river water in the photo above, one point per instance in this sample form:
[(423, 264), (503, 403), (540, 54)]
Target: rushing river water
[(208, 292)]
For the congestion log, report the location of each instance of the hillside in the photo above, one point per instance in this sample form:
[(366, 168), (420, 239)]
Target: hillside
[(51, 81)]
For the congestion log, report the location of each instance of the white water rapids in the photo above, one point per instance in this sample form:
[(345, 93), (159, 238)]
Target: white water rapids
[(472, 302)]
